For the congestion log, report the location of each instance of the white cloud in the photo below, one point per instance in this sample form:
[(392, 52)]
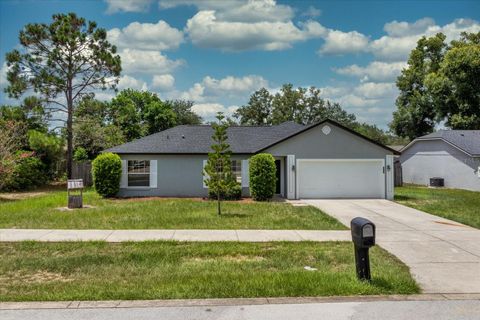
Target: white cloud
[(152, 62), (3, 75), (402, 29), (128, 82), (402, 37), (373, 90), (163, 82), (312, 12), (127, 5), (146, 36), (239, 11), (205, 30), (374, 71), (339, 42), (195, 93), (233, 85), (209, 110)]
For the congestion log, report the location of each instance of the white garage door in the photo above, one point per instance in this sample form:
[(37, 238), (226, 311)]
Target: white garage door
[(340, 178)]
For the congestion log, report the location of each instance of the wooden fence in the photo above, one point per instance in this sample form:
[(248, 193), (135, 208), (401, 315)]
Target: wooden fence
[(83, 170), (397, 173)]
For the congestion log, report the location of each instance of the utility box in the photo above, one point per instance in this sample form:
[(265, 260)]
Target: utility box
[(363, 237), (75, 193)]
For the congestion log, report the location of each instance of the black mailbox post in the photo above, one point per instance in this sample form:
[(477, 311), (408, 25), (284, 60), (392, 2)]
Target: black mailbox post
[(363, 237)]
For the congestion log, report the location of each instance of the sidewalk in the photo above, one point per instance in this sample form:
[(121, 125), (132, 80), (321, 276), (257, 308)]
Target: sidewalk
[(443, 255), (59, 235)]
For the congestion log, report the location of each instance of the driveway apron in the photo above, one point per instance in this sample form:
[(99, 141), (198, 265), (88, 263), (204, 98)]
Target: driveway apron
[(443, 255)]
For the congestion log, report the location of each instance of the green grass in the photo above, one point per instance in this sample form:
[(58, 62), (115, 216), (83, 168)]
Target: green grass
[(459, 205), (172, 270), (42, 212)]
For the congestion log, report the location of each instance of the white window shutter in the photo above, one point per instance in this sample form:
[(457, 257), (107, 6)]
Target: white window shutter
[(204, 177), (245, 174), (389, 180), (124, 177), (153, 173)]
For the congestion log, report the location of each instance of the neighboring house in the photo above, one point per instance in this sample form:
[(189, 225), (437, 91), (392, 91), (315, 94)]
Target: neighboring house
[(453, 155), (324, 160)]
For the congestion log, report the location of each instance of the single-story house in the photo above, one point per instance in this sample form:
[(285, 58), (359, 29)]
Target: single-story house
[(453, 155), (323, 160)]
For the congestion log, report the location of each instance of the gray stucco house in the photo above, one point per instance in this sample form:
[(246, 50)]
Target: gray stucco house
[(323, 160), (453, 155)]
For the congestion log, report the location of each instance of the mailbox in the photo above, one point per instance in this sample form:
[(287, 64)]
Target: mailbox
[(363, 237), (363, 232)]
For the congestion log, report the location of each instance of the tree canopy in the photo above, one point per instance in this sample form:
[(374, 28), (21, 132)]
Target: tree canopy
[(440, 84), (61, 62)]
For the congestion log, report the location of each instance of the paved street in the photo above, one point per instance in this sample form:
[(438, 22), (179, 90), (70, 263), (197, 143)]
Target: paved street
[(443, 255), (369, 310)]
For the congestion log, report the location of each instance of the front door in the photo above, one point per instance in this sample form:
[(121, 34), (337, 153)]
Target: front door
[(278, 174)]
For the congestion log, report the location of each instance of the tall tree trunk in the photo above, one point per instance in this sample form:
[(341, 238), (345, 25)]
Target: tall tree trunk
[(69, 130)]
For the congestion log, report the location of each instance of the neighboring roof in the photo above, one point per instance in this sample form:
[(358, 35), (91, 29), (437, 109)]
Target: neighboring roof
[(467, 141), (197, 139)]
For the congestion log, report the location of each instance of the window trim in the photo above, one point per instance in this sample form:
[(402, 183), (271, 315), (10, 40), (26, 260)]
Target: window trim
[(238, 164), (149, 174)]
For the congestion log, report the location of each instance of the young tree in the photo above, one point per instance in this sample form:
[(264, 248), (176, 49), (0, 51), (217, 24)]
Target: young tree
[(61, 62), (218, 170)]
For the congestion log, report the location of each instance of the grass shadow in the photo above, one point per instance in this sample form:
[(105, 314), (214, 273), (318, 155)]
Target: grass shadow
[(401, 197)]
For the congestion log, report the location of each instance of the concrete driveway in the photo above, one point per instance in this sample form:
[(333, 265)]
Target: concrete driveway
[(443, 255)]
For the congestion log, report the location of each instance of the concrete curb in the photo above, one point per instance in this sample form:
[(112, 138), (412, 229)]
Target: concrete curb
[(228, 301)]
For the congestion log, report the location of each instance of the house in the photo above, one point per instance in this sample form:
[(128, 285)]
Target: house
[(323, 160), (453, 155)]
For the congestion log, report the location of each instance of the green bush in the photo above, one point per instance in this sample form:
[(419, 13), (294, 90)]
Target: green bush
[(80, 155), (29, 173), (107, 172), (234, 192), (262, 176)]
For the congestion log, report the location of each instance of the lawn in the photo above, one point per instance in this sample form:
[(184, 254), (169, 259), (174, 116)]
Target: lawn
[(42, 211), (172, 270), (459, 205)]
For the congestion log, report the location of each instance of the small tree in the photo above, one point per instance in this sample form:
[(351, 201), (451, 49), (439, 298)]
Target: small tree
[(107, 172), (218, 171), (262, 176), (10, 141)]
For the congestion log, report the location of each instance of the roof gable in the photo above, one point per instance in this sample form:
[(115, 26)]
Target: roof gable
[(196, 139), (467, 141)]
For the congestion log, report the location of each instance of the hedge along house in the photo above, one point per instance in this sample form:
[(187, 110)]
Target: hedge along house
[(323, 160)]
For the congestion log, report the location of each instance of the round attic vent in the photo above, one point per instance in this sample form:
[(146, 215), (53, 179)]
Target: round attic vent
[(326, 129)]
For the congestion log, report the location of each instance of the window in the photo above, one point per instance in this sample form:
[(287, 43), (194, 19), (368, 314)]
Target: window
[(237, 170), (138, 173)]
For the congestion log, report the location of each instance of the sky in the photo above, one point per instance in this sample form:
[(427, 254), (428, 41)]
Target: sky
[(217, 53)]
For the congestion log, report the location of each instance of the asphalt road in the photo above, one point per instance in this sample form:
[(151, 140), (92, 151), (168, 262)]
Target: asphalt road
[(376, 310)]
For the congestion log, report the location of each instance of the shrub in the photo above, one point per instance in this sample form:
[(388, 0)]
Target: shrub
[(262, 176), (28, 173), (234, 192), (107, 172), (80, 155)]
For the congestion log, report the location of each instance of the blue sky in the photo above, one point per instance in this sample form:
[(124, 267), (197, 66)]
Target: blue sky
[(217, 53)]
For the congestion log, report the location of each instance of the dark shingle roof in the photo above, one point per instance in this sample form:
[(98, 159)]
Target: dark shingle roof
[(466, 140), (190, 139)]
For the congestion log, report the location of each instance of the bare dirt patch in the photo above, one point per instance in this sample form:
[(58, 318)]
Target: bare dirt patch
[(21, 195), (32, 278), (236, 258)]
